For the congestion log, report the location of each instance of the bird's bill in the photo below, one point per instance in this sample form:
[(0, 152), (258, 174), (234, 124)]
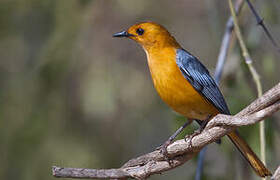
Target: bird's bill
[(122, 34)]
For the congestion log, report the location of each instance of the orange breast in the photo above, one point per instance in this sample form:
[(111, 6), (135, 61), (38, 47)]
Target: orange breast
[(174, 89)]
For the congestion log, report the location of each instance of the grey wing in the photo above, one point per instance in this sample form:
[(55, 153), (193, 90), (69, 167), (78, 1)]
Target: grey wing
[(198, 76)]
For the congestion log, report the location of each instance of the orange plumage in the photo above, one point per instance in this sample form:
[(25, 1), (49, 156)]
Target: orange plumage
[(173, 88), (184, 83)]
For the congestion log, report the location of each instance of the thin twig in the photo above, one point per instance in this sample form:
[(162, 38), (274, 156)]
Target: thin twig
[(226, 42), (260, 22), (181, 151), (254, 73)]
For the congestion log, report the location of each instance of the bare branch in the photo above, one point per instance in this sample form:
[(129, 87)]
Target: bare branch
[(261, 23), (88, 173), (181, 151), (226, 42)]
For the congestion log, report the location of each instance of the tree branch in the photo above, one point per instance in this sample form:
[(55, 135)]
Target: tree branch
[(182, 150), (261, 23)]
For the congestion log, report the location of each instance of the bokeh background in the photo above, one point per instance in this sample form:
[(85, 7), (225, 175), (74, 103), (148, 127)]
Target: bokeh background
[(71, 95)]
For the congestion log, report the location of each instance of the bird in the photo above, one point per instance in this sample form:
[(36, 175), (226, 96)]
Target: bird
[(185, 84)]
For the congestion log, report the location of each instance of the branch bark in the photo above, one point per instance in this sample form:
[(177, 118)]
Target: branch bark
[(182, 150)]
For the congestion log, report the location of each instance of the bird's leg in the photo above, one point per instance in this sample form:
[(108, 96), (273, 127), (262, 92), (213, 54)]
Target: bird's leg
[(163, 147)]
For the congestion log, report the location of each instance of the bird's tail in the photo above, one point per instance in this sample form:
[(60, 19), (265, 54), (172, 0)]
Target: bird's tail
[(249, 155)]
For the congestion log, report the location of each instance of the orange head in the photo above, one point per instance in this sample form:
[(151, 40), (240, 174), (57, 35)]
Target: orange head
[(149, 35)]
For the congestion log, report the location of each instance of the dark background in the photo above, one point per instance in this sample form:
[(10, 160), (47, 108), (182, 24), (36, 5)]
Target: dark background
[(71, 95)]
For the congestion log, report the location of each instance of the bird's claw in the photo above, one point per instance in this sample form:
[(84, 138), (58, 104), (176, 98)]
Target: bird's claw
[(196, 132), (163, 151)]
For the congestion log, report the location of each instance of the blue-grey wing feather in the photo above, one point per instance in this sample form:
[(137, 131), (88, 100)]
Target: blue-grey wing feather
[(198, 76)]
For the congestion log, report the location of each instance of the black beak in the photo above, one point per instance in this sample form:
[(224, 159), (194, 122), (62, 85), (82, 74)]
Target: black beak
[(122, 34)]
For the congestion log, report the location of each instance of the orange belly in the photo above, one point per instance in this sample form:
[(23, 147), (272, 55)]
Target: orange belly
[(175, 90)]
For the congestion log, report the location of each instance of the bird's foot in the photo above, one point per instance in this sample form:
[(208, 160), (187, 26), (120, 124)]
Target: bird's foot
[(163, 151), (196, 132)]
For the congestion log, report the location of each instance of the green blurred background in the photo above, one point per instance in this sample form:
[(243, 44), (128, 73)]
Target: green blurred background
[(73, 96)]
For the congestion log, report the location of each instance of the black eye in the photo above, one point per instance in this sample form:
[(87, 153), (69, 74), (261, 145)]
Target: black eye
[(140, 31)]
